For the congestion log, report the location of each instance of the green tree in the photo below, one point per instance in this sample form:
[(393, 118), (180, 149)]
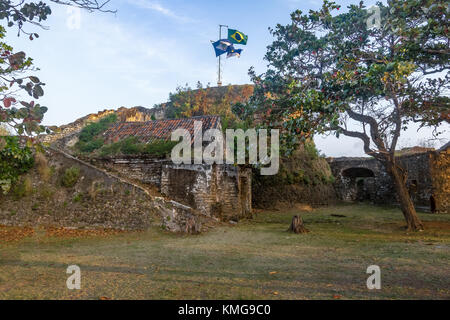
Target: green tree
[(24, 117), (346, 74)]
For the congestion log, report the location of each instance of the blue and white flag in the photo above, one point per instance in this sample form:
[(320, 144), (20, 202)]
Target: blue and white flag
[(232, 52), (221, 46)]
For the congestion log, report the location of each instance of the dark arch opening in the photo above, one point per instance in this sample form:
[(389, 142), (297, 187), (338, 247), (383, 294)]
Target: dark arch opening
[(432, 205), (358, 173)]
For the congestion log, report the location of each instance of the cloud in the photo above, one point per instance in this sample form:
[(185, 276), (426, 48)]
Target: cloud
[(156, 6)]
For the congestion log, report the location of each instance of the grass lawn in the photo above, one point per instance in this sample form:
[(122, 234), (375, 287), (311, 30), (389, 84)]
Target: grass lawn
[(255, 259)]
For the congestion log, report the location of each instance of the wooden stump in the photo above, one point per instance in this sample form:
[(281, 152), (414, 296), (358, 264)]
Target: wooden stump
[(297, 225)]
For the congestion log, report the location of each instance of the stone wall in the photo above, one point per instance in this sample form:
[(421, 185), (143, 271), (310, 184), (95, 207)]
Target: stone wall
[(97, 199), (440, 173), (220, 191), (427, 181), (144, 169)]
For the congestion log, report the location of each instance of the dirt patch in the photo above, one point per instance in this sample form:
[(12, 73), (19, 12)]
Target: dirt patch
[(10, 234), (437, 225), (80, 233)]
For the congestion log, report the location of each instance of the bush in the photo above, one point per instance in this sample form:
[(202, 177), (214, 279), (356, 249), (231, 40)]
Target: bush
[(160, 148), (90, 146), (77, 198), (131, 145), (311, 150), (70, 177), (42, 167), (22, 189), (88, 139), (14, 161)]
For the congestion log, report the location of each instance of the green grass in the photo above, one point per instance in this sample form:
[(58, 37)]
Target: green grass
[(236, 262)]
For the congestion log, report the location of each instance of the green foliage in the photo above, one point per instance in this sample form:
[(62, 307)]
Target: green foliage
[(89, 139), (14, 161), (311, 150), (131, 145), (24, 117), (90, 146), (23, 188), (89, 132), (327, 67), (77, 198), (186, 102), (159, 148), (70, 177)]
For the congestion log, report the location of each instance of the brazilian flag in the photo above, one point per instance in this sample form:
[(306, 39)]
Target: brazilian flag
[(237, 37)]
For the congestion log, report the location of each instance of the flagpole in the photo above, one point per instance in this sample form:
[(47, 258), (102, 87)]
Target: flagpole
[(219, 81)]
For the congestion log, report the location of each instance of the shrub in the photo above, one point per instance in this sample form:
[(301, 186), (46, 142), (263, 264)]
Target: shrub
[(22, 189), (42, 167), (14, 161), (131, 145), (90, 146), (311, 150), (77, 198), (70, 177), (46, 193), (88, 139), (160, 148)]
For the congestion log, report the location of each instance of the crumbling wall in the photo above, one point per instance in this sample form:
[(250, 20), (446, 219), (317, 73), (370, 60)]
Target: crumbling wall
[(143, 168), (440, 173), (221, 191), (97, 199), (419, 181), (427, 180)]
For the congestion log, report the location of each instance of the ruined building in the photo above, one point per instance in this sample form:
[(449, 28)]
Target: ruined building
[(365, 179), (218, 190)]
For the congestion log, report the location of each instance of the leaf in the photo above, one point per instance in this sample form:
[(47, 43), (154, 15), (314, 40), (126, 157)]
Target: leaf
[(8, 101), (34, 79), (38, 91)]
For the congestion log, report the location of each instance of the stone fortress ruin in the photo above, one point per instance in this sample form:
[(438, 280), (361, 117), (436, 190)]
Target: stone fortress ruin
[(365, 179)]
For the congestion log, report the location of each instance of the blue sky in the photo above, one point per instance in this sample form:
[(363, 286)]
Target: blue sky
[(148, 48)]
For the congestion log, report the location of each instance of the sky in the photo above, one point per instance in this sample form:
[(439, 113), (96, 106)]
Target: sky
[(137, 56)]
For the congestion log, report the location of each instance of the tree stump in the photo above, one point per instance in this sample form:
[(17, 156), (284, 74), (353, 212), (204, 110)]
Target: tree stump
[(297, 225)]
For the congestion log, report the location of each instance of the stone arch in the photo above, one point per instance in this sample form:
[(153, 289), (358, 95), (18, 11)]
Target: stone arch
[(358, 172), (359, 182)]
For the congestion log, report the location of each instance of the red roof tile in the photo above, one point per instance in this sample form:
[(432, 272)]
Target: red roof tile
[(158, 129)]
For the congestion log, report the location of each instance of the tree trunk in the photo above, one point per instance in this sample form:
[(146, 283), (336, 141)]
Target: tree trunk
[(406, 203), (297, 225)]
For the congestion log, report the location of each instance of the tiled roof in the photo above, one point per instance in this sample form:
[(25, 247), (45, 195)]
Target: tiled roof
[(158, 129)]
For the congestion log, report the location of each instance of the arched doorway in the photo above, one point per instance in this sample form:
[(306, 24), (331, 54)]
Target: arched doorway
[(360, 183)]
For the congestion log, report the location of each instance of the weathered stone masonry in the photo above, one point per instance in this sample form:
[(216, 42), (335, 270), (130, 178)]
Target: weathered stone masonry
[(359, 179), (220, 191)]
